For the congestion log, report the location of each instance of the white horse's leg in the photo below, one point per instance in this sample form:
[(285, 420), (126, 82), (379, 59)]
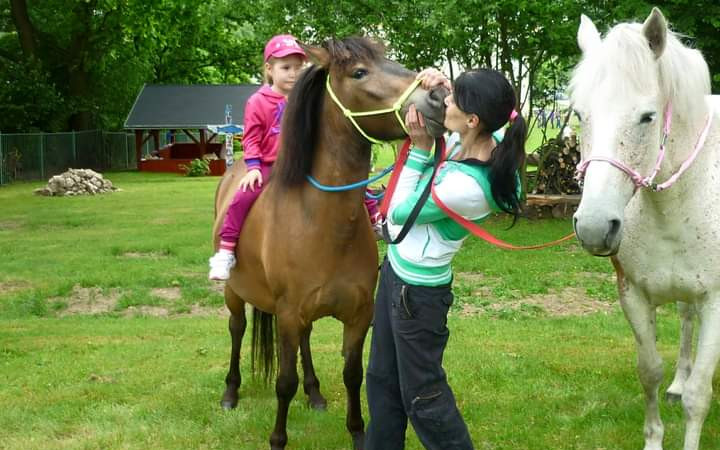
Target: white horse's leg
[(698, 387), (641, 316), (684, 362)]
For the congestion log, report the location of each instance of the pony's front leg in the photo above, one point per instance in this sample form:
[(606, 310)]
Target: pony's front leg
[(684, 363), (288, 330), (311, 384), (641, 316), (353, 339), (698, 387)]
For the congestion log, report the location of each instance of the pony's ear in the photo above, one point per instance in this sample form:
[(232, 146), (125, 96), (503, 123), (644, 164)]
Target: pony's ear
[(588, 36), (655, 31), (317, 55)]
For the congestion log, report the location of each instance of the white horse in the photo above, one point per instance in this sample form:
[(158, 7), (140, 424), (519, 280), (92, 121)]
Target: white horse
[(651, 161)]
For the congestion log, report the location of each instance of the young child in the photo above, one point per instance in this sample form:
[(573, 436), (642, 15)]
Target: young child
[(284, 59)]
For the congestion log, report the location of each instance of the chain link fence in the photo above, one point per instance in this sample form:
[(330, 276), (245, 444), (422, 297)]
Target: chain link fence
[(38, 156)]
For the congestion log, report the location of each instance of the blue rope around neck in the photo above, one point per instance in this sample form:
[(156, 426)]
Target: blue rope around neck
[(349, 187)]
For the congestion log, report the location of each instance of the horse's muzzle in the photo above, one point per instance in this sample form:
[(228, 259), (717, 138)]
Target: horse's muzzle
[(600, 236)]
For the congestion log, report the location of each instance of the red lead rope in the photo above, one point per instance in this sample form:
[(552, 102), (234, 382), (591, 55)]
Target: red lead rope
[(467, 224), (392, 184)]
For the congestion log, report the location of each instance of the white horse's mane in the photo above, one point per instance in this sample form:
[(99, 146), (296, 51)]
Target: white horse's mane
[(625, 61)]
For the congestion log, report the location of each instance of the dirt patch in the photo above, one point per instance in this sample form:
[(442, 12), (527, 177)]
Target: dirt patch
[(8, 287), (153, 311), (568, 302), (207, 311), (7, 225), (149, 255), (171, 294), (472, 277), (90, 301)]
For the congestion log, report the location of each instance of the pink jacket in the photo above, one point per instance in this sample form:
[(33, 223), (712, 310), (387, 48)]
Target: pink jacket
[(263, 113)]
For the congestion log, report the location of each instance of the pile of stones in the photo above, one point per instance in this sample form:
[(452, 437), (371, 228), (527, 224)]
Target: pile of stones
[(77, 182)]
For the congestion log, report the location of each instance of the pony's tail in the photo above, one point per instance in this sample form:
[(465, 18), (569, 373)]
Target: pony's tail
[(507, 159), (263, 345)]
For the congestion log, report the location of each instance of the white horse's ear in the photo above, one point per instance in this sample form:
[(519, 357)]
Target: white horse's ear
[(655, 30), (588, 36), (317, 55)]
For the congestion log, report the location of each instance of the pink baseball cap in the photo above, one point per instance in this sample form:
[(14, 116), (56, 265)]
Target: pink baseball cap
[(282, 45)]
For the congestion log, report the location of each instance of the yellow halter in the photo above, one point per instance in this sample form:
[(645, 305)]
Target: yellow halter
[(395, 108)]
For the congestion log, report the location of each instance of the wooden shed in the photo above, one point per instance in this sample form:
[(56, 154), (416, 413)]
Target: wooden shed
[(187, 109)]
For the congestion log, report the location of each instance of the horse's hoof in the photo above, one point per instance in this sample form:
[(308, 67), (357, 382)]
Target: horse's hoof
[(317, 403), (228, 403), (672, 397), (358, 440)]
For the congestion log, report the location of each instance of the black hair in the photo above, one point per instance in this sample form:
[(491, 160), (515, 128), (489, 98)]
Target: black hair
[(489, 95)]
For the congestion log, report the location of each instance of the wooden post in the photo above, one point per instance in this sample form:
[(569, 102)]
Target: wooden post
[(203, 143), (138, 146), (156, 139)]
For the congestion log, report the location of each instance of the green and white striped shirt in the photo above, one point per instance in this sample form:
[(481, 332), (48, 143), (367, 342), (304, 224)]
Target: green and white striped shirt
[(424, 256)]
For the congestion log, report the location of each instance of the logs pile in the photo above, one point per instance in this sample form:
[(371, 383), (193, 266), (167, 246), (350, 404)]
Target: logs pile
[(556, 162), (554, 192)]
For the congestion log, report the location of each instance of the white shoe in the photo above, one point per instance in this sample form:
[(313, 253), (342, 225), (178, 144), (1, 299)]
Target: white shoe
[(220, 265)]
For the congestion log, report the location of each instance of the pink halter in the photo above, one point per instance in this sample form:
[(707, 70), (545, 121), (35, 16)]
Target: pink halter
[(648, 182)]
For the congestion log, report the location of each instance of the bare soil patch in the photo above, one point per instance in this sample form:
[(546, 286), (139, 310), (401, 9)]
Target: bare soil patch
[(89, 301), (151, 255), (568, 302), (8, 287), (144, 310), (170, 294), (7, 225)]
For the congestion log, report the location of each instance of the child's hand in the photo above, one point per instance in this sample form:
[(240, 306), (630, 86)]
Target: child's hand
[(248, 181), (416, 129)]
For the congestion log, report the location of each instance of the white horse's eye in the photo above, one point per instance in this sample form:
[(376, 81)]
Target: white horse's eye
[(647, 117)]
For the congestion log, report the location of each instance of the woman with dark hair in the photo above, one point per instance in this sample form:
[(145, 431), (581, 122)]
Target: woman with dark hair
[(405, 377)]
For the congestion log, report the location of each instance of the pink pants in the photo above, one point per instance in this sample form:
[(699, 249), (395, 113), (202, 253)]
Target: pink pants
[(240, 207)]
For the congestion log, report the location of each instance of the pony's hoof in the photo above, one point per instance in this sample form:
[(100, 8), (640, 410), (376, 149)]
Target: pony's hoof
[(672, 397), (317, 403), (228, 403), (358, 440)]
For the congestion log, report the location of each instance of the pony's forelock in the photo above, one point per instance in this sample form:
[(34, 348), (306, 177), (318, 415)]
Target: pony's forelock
[(625, 63), (349, 51)]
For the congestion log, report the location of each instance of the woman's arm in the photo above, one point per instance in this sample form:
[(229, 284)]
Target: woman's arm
[(458, 191)]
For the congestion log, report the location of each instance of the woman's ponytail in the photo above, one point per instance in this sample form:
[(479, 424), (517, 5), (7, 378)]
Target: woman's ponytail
[(505, 163)]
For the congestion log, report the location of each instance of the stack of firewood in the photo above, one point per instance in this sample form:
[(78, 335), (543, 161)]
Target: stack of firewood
[(556, 162)]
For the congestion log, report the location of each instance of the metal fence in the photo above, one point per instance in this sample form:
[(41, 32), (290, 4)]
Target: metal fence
[(38, 156)]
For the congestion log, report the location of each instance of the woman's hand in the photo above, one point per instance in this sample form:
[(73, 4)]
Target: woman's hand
[(415, 124), (248, 181), (433, 77)]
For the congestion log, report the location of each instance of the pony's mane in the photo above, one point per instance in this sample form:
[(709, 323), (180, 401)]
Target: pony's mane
[(624, 61), (304, 111)]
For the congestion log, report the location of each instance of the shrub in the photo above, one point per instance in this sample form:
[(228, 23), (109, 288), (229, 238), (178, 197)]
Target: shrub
[(198, 167)]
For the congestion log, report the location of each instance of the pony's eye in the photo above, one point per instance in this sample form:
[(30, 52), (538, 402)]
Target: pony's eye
[(647, 117), (359, 73)]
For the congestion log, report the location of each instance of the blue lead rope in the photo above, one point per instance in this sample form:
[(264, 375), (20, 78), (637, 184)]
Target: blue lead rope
[(349, 187)]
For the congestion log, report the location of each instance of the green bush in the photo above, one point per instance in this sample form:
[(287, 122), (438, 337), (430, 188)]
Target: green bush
[(198, 168)]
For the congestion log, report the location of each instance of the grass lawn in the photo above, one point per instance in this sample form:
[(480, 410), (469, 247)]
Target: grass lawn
[(111, 336)]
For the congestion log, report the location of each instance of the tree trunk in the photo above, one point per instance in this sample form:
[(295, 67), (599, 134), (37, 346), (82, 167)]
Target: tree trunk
[(26, 32)]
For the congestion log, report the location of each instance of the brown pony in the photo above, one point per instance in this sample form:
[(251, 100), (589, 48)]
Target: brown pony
[(304, 254)]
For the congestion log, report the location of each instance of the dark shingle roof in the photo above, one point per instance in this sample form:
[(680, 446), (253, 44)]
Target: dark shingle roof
[(187, 106)]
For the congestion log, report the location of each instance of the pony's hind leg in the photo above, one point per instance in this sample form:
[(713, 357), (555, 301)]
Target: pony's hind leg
[(684, 363), (237, 324), (353, 340), (311, 384), (698, 387)]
